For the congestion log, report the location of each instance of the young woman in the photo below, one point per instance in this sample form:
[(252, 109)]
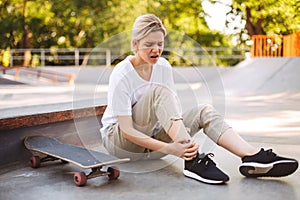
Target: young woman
[(143, 119)]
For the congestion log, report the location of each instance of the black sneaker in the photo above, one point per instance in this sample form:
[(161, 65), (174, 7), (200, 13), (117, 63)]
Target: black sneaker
[(267, 164), (203, 169)]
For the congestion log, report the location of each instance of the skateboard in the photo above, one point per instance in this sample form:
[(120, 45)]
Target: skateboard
[(45, 149)]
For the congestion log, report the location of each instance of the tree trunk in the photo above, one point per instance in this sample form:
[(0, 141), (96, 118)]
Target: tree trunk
[(253, 29), (26, 38)]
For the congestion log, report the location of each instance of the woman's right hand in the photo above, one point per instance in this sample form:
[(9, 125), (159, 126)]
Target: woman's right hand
[(183, 149)]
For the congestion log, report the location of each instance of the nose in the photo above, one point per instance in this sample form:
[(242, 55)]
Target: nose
[(156, 48)]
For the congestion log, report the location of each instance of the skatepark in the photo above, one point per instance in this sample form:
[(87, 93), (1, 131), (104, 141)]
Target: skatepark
[(259, 98)]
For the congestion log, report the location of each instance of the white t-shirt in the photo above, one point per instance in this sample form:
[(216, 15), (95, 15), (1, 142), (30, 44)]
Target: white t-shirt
[(126, 87)]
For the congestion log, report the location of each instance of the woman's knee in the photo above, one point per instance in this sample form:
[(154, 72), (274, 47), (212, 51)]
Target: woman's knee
[(207, 109), (159, 90)]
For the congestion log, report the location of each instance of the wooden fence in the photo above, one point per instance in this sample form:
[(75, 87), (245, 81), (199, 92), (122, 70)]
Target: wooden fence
[(276, 46)]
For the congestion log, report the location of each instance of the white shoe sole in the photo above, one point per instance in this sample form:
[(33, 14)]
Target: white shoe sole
[(199, 178), (274, 169)]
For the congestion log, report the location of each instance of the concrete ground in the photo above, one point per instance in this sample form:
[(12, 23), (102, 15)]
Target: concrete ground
[(266, 113)]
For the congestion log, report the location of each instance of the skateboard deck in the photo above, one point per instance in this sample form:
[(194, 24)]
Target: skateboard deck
[(46, 149)]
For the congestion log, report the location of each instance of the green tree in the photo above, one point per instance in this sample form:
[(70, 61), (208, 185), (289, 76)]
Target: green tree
[(87, 23), (82, 23), (272, 17), (188, 17), (11, 13)]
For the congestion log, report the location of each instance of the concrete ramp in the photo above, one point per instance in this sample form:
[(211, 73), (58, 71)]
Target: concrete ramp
[(263, 76), (286, 79), (4, 81)]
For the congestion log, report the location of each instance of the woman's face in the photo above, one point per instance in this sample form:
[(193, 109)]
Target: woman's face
[(150, 48)]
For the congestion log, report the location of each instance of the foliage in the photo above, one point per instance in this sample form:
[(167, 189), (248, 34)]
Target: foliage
[(84, 23), (88, 23), (271, 17)]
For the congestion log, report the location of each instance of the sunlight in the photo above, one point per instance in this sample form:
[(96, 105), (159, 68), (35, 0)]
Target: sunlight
[(285, 122), (217, 14)]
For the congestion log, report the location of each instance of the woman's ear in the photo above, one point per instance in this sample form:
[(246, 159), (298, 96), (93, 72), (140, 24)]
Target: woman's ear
[(134, 45)]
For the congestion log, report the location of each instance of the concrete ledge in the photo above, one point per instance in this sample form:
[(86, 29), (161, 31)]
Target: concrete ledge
[(46, 118), (77, 127)]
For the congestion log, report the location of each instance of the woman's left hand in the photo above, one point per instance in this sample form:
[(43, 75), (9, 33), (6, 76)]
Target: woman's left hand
[(191, 152)]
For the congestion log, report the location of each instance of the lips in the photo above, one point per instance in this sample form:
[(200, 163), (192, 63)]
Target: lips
[(155, 56)]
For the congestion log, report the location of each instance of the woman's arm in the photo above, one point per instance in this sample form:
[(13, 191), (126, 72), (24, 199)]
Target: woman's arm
[(183, 149)]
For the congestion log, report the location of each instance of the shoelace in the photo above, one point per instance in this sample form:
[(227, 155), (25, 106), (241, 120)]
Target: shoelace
[(206, 159)]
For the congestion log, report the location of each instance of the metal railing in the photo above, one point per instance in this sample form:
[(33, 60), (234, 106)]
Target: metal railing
[(105, 57), (55, 56), (38, 73)]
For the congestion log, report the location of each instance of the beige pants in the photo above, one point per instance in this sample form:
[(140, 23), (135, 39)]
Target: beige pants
[(153, 115)]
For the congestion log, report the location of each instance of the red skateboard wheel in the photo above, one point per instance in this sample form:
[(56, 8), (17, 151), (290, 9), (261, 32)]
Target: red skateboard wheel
[(35, 161), (80, 178), (114, 172)]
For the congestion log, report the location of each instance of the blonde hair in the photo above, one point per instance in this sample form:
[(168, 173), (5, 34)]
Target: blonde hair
[(144, 25)]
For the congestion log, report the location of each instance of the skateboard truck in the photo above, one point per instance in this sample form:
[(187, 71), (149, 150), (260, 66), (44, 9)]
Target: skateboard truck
[(80, 178), (35, 161)]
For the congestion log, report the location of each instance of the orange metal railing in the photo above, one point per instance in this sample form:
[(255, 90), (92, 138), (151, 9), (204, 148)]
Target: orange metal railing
[(276, 46)]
